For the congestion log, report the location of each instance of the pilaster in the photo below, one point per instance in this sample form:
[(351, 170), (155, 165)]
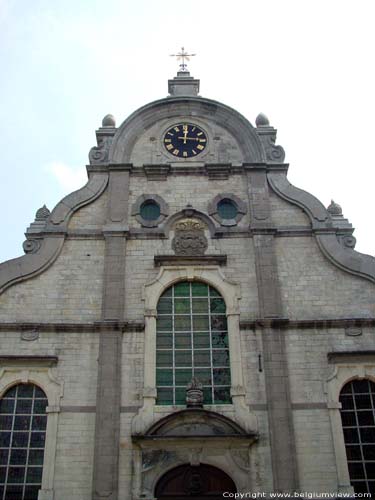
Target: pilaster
[(108, 403), (282, 441)]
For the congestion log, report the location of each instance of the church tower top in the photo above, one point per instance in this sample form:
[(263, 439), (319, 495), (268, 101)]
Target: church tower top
[(183, 84)]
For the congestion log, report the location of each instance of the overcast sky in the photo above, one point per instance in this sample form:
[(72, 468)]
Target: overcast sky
[(308, 65)]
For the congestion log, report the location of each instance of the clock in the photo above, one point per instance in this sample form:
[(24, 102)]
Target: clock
[(185, 140)]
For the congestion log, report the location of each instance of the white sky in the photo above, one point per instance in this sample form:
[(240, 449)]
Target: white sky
[(308, 65)]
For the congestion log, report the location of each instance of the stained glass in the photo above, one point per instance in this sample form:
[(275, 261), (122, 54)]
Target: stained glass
[(22, 446), (358, 420), (192, 341)]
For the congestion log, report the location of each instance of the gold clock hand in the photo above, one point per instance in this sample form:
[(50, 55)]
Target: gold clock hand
[(188, 139)]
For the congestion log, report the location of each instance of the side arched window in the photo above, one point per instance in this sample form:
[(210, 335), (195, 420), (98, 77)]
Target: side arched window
[(23, 422), (192, 341), (358, 421)]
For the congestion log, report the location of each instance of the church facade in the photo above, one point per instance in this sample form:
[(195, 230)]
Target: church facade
[(188, 324)]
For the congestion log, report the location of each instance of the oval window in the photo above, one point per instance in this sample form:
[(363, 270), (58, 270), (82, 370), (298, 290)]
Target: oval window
[(150, 210), (227, 209)]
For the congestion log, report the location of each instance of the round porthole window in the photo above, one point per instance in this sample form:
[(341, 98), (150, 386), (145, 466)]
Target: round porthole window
[(227, 209), (150, 210)]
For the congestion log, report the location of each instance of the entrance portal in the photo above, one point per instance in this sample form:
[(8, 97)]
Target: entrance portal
[(199, 482)]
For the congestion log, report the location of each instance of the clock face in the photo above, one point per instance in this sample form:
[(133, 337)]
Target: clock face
[(185, 140)]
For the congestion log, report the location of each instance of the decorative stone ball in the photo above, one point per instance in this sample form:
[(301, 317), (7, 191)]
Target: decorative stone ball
[(109, 121), (42, 213), (334, 208), (262, 120)]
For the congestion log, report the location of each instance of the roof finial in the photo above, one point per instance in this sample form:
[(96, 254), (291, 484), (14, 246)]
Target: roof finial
[(183, 56)]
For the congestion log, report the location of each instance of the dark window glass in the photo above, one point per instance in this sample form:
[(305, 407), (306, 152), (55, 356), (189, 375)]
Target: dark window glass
[(357, 416), (227, 209), (150, 210), (23, 424), (192, 341)]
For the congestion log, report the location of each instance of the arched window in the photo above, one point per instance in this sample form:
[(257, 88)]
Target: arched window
[(192, 341), (358, 420), (23, 422)]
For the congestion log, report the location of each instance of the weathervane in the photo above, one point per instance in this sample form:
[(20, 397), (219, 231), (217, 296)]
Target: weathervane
[(182, 56)]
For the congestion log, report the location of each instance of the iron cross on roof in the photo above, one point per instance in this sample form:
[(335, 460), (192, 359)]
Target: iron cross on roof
[(183, 56)]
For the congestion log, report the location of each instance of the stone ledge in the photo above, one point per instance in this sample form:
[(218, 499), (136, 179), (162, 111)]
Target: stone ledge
[(97, 326), (306, 323), (33, 359), (351, 356), (194, 260)]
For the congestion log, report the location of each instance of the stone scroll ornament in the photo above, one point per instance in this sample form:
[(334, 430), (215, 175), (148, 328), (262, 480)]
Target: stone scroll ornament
[(189, 239), (100, 153)]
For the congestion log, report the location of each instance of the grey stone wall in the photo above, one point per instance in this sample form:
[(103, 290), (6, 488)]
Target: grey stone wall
[(69, 291)]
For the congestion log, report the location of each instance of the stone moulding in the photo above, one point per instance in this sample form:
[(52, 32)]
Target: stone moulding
[(94, 188), (342, 257), (346, 258), (32, 264), (127, 135)]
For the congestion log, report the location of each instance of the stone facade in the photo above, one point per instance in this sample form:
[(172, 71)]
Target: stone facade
[(78, 312)]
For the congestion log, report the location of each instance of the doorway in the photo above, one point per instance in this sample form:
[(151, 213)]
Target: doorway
[(201, 482)]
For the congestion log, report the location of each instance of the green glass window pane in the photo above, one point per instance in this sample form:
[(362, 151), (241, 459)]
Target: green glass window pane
[(39, 393), (20, 439), (165, 306), (36, 457), (202, 358), (227, 209), (217, 306), (182, 358), (11, 393), (222, 395), (167, 293), (182, 323), (40, 406), (150, 210), (37, 439), (182, 340), (16, 475), (164, 358), (22, 423), (220, 339), (15, 492), (182, 306), (201, 339), (164, 323), (180, 396), (207, 395), (199, 289), (200, 306), (31, 492), (214, 292), (183, 376), (6, 422), (218, 322), (24, 405), (200, 323), (34, 475), (4, 439), (182, 289), (18, 457), (220, 358), (164, 377), (6, 405), (221, 376), (203, 375), (4, 457), (164, 340), (25, 391), (39, 423), (165, 396)]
